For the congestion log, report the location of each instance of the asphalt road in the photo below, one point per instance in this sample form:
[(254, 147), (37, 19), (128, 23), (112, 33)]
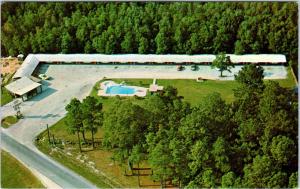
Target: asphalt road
[(54, 171)]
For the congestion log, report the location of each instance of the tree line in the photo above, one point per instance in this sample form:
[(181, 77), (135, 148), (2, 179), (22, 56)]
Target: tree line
[(251, 142), (152, 27)]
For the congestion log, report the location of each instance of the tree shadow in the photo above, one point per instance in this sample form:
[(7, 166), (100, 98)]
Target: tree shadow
[(42, 116)]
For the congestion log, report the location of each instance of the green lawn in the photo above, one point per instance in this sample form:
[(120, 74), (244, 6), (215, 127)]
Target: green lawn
[(8, 121), (16, 175), (6, 97), (193, 92), (289, 82)]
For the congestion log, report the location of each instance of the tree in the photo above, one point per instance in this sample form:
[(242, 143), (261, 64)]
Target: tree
[(179, 150), (276, 98), (66, 42), (162, 39), (208, 179), (161, 44), (195, 43), (92, 115), (259, 172), (277, 180), (128, 43), (219, 153), (247, 95), (175, 28), (239, 47), (74, 118), (223, 63), (228, 180), (160, 159), (143, 45), (137, 156), (124, 122), (293, 180), (251, 76), (200, 159), (282, 149)]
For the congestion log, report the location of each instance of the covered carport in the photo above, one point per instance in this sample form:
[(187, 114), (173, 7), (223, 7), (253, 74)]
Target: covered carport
[(24, 88)]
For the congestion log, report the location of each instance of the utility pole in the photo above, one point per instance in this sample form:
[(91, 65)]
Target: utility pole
[(48, 134), (53, 140)]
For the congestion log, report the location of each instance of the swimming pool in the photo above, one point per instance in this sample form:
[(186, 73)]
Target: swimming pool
[(119, 89)]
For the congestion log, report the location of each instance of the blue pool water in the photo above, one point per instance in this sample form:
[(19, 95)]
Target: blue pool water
[(118, 89)]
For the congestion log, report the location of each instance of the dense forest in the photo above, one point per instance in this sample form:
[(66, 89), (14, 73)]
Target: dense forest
[(182, 28), (250, 143)]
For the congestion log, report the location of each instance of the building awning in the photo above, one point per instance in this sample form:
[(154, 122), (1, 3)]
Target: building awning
[(22, 86)]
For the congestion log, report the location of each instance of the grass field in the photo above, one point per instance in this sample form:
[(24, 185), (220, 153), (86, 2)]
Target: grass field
[(16, 175), (192, 92), (6, 97), (8, 121), (289, 82), (70, 161)]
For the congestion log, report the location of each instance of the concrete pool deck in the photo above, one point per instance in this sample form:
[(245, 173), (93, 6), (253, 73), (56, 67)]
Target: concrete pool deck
[(138, 91)]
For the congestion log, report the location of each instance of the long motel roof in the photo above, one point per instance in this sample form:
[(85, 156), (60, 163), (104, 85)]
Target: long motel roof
[(22, 86), (32, 60)]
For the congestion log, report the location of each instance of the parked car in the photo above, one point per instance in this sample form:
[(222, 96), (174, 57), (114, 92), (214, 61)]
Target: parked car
[(194, 67), (180, 68)]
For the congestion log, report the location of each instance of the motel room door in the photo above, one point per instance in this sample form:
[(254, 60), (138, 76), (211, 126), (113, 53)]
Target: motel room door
[(24, 97)]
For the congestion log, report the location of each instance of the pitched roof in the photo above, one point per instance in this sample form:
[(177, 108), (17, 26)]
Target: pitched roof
[(27, 67), (22, 86)]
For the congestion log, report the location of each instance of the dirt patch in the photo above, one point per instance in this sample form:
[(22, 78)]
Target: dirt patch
[(10, 65)]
